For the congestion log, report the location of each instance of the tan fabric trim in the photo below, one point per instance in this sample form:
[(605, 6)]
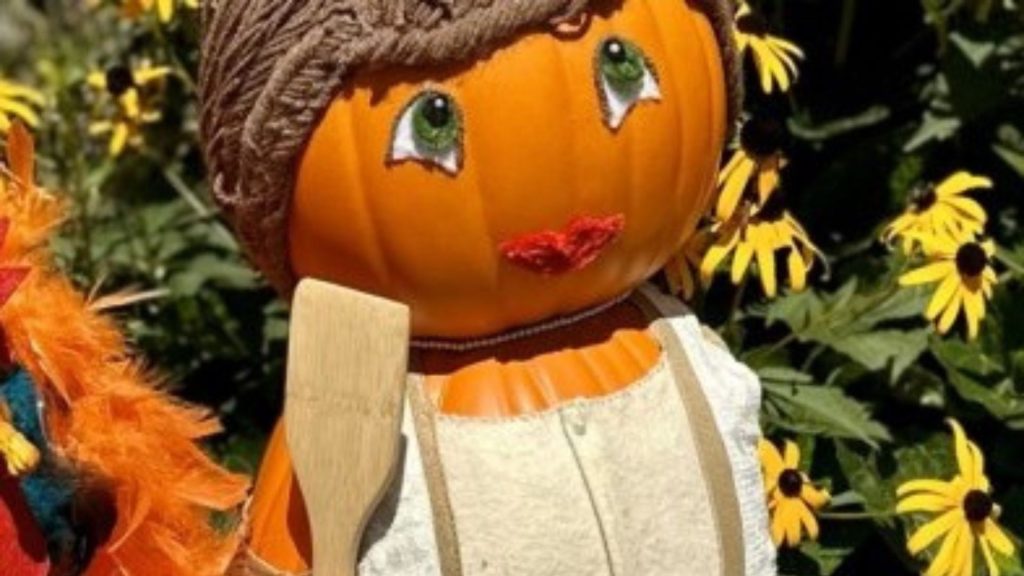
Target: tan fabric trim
[(715, 466), (437, 486)]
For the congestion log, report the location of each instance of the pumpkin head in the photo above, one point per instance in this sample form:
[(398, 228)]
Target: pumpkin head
[(555, 171)]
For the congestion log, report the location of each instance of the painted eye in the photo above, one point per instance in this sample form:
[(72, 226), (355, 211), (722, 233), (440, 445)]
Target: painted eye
[(429, 130), (625, 77)]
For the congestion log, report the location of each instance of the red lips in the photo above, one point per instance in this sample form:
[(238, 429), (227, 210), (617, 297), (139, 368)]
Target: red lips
[(552, 252)]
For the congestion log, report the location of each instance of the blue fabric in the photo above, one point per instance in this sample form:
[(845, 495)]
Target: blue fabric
[(50, 490)]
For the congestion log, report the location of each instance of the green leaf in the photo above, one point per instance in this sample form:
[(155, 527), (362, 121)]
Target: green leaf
[(933, 128), (821, 410), (883, 349), (982, 379)]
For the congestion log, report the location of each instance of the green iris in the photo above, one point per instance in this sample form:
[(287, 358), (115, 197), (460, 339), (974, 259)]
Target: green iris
[(436, 123), (623, 66)]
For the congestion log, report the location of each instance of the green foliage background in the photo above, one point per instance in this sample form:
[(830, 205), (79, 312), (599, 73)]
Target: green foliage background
[(892, 93)]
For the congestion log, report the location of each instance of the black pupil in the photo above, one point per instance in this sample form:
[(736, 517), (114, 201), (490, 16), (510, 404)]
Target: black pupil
[(119, 80), (978, 506), (790, 483), (615, 51), (971, 260), (438, 111)]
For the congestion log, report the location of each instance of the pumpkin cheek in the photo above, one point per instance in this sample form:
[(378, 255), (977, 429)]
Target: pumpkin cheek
[(550, 212)]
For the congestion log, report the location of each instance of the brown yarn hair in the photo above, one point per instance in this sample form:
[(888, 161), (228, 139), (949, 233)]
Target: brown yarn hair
[(270, 69)]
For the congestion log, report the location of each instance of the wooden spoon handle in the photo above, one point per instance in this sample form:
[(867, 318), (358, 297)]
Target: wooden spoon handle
[(347, 363)]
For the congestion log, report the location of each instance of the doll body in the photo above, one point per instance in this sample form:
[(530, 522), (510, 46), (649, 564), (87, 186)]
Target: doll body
[(633, 453)]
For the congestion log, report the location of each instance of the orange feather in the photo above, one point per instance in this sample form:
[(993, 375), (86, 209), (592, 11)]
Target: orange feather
[(106, 412)]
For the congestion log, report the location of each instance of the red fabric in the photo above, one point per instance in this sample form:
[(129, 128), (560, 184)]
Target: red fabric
[(22, 547), (557, 252)]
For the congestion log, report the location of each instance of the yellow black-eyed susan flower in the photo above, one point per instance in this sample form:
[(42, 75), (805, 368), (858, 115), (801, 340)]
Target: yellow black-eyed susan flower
[(18, 101), (759, 237), (941, 209), (130, 90), (165, 9), (963, 270), (684, 268), (964, 514), (792, 497), (774, 57), (753, 170)]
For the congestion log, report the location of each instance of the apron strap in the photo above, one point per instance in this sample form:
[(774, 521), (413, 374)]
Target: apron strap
[(424, 419), (711, 452)]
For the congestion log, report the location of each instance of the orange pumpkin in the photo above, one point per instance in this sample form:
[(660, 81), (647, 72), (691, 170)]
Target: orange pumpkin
[(538, 162)]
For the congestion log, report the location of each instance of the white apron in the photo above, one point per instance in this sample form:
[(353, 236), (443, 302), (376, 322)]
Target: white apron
[(658, 479)]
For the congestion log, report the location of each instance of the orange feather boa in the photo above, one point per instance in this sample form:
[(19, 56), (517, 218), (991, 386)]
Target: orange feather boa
[(105, 412)]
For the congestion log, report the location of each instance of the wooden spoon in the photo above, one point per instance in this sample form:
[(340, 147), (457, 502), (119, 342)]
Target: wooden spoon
[(347, 363)]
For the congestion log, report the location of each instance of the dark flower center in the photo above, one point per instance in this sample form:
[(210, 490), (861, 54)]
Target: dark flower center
[(753, 24), (971, 260), (119, 80), (762, 137), (978, 506), (791, 482), (923, 197)]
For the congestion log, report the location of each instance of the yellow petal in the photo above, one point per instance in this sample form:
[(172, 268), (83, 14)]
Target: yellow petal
[(797, 270), (999, 540), (963, 553), (771, 460), (961, 182), (952, 309), (925, 485), (929, 273), (791, 457), (968, 207), (778, 527), (766, 267), (934, 530), (735, 183), (791, 509), (964, 456), (787, 46), (20, 110), (119, 139), (943, 562), (924, 503), (730, 166), (943, 294), (974, 310), (814, 498), (713, 258), (990, 562), (165, 8), (146, 75), (97, 79), (741, 260), (809, 522)]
